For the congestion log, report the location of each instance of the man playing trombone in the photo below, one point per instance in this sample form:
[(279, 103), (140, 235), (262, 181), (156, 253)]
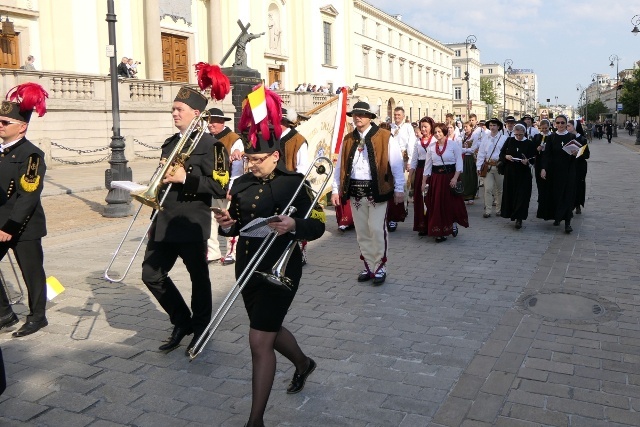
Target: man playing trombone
[(182, 227)]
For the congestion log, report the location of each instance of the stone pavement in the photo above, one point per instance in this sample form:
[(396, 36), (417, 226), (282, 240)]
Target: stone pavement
[(446, 341)]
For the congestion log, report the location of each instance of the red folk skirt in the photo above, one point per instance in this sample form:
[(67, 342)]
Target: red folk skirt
[(419, 218), (443, 207)]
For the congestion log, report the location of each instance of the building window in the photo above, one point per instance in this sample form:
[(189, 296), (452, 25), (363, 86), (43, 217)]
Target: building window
[(440, 62), (410, 43), (327, 42), (490, 70), (410, 76), (481, 71), (401, 72), (426, 80), (365, 63), (364, 25), (456, 71), (457, 53), (390, 36), (419, 79), (400, 41), (457, 93), (377, 31), (379, 66)]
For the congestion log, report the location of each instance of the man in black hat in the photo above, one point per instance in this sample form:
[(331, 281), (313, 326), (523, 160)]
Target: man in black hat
[(235, 149), (489, 153), (531, 130), (369, 172), (22, 219), (509, 123), (182, 227)]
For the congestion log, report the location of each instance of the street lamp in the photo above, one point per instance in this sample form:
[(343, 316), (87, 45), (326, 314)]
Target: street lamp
[(586, 104), (508, 63), (118, 200), (635, 21), (612, 58), (471, 40)]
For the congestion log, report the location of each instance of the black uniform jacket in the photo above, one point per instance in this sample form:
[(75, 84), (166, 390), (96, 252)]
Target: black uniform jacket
[(186, 214), (22, 170), (256, 198)]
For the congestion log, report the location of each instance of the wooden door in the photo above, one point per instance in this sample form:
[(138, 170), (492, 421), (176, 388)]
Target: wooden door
[(175, 58), (9, 52), (274, 75)]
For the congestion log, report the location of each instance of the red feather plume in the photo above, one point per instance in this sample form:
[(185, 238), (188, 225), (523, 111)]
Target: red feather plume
[(213, 77), (29, 96), (271, 122)]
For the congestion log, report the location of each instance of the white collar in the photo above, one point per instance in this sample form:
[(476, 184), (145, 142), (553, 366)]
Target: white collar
[(6, 145), (563, 133), (366, 131), (285, 132)]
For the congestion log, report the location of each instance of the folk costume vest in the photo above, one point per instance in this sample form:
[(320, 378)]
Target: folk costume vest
[(289, 146), (377, 143), (227, 137)]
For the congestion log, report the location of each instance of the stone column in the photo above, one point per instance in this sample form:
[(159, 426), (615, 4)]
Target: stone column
[(215, 24), (153, 40)]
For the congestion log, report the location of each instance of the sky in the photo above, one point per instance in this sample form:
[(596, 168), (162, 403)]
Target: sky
[(564, 42)]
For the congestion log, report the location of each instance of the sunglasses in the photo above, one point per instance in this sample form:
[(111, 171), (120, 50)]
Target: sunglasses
[(6, 123), (561, 123)]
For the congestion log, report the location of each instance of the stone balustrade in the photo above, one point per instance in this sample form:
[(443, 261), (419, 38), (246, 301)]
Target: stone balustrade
[(79, 113)]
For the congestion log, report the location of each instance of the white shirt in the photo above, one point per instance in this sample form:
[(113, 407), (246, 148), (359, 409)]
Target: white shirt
[(476, 140), (508, 133), (360, 167), (419, 152), (492, 144), (6, 145), (302, 156), (405, 135), (531, 132), (452, 155), (237, 166)]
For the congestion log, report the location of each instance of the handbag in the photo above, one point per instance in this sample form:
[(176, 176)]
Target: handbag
[(484, 169), (458, 189)]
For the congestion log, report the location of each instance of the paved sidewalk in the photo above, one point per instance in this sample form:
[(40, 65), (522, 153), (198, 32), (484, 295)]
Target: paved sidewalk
[(446, 341)]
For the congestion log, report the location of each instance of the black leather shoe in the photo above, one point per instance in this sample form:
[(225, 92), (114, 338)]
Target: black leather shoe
[(379, 278), (454, 232), (568, 229), (392, 226), (364, 276), (578, 210), (30, 328), (297, 382), (556, 223), (8, 320), (175, 338), (440, 239), (518, 224), (192, 344)]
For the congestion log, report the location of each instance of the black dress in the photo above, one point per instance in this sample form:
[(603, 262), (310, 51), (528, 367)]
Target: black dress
[(252, 198), (516, 189), (581, 173), (560, 168)]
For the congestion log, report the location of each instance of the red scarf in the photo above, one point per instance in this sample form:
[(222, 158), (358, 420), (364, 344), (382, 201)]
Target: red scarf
[(428, 142)]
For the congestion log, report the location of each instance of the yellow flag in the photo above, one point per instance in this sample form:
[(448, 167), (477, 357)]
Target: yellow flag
[(258, 103), (54, 288)]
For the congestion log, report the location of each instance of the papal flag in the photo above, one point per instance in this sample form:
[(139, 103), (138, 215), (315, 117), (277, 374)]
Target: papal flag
[(54, 288), (258, 104)]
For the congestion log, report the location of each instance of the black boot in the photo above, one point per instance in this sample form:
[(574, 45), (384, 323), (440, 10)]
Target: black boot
[(567, 226)]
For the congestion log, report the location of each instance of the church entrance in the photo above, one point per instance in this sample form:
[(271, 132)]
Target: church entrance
[(9, 52), (175, 58)]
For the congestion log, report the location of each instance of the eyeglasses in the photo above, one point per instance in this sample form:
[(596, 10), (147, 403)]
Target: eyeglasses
[(561, 123), (6, 123), (257, 161)]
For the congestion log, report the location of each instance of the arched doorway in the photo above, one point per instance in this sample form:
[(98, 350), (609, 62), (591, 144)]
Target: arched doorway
[(391, 104)]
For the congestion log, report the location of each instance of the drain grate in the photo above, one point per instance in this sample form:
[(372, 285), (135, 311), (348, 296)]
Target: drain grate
[(564, 306)]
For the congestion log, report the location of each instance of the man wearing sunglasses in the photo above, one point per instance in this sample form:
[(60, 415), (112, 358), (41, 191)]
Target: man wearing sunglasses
[(22, 220)]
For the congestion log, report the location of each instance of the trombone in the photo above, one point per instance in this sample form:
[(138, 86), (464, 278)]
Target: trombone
[(323, 167), (149, 196), (20, 295)]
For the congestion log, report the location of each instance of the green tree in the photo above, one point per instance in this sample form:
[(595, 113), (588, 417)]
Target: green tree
[(630, 95), (593, 110), (488, 92)]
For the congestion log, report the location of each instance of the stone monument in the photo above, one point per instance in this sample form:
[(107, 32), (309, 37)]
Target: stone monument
[(242, 78)]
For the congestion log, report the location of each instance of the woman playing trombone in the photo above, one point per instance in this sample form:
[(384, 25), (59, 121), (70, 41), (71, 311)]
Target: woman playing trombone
[(262, 193)]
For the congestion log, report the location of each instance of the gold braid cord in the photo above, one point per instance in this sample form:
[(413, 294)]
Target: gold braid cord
[(30, 180)]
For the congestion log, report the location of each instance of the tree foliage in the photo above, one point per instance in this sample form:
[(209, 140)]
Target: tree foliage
[(488, 92), (593, 110), (630, 94)]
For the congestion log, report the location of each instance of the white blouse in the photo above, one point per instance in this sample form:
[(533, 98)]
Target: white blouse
[(452, 155), (419, 153)]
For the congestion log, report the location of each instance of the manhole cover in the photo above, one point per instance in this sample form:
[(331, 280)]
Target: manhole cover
[(564, 306)]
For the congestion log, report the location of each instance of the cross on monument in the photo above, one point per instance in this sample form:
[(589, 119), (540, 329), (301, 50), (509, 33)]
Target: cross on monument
[(240, 45)]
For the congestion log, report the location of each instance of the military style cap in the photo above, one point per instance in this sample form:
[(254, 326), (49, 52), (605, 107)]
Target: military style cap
[(192, 98), (12, 110), (263, 145)]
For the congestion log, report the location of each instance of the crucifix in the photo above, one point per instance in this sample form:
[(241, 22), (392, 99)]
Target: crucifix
[(241, 45)]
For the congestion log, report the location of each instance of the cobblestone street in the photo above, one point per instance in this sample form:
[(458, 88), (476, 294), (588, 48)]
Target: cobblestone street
[(446, 341)]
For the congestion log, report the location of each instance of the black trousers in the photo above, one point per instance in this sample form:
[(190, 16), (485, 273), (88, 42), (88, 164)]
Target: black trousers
[(159, 259), (31, 262)]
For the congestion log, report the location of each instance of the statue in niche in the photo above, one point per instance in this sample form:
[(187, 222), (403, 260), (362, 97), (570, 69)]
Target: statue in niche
[(273, 23)]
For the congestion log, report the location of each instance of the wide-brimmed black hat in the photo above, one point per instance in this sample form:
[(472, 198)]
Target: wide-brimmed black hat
[(363, 108), (482, 122), (217, 114), (266, 146), (496, 121), (527, 116), (192, 98), (510, 119)]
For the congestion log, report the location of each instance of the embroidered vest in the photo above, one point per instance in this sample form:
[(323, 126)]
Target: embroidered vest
[(289, 146), (377, 143), (227, 137)]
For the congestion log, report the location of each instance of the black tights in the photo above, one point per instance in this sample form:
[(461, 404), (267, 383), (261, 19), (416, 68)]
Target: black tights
[(263, 358)]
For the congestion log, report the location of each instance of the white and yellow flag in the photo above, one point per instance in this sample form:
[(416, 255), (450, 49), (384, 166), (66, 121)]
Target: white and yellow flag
[(258, 104)]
